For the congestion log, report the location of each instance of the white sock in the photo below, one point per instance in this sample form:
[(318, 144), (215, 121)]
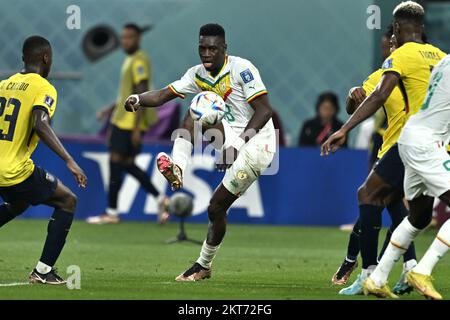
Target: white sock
[(409, 265), (367, 272), (207, 255), (42, 268), (402, 237), (112, 211), (436, 251), (181, 152)]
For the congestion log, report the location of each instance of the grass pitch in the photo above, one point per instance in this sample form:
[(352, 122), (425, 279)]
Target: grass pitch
[(131, 261)]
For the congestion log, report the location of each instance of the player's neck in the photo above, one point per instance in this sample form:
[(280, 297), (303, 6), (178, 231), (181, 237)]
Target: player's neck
[(214, 73), (133, 51), (413, 37), (32, 69)]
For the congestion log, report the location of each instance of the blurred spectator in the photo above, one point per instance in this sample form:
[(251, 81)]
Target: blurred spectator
[(317, 130)]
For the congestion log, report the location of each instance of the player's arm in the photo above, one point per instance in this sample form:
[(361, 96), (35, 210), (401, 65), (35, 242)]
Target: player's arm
[(355, 97), (42, 127), (263, 113), (367, 108), (149, 99)]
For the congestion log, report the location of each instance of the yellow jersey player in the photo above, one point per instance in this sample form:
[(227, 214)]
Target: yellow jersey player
[(407, 68), (427, 176), (124, 141), (27, 103)]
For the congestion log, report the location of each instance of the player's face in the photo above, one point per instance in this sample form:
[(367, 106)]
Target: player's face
[(212, 52), (130, 40), (393, 44), (384, 47)]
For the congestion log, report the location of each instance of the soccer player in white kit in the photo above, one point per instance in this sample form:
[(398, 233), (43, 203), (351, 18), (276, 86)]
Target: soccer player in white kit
[(422, 147), (249, 142)]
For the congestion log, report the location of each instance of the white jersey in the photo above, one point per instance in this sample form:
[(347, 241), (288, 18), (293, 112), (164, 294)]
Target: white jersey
[(238, 83), (432, 123)]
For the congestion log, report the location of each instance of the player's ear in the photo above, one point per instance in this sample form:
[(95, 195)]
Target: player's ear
[(225, 47), (46, 58)]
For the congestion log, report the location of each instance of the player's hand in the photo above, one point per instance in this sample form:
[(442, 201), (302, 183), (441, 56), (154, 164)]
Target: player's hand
[(227, 159), (77, 172), (333, 143), (357, 94), (132, 103), (136, 137)]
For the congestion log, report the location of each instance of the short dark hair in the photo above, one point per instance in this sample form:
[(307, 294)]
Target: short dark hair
[(328, 96), (34, 46), (212, 29), (134, 27), (410, 11)]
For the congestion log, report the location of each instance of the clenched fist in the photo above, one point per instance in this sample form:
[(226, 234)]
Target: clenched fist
[(132, 103)]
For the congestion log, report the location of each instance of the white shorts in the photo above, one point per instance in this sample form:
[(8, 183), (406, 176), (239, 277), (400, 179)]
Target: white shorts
[(427, 170), (252, 160)]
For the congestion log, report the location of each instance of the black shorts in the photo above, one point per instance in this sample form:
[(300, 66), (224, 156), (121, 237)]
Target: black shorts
[(120, 141), (36, 189), (390, 168)]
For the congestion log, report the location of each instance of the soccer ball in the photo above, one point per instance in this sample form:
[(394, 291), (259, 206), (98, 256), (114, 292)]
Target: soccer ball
[(181, 205), (208, 108)]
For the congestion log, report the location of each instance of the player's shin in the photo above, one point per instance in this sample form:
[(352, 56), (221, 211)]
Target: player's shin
[(181, 152), (436, 251), (370, 219), (207, 255), (402, 237), (57, 230)]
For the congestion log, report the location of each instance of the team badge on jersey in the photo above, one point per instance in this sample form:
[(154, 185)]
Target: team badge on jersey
[(387, 64), (49, 101), (246, 76)]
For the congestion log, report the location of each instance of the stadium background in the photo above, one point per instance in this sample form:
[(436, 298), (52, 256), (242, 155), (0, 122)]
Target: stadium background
[(301, 50)]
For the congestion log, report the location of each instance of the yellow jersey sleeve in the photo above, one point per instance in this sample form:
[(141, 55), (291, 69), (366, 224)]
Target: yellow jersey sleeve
[(396, 62), (371, 82), (140, 71), (46, 99)]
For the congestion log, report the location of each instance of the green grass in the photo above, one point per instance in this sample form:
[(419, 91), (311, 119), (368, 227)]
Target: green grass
[(131, 261)]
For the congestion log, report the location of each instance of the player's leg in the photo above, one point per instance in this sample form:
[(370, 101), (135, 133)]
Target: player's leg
[(221, 201), (351, 260), (246, 169), (46, 189), (8, 211), (172, 168), (420, 276), (397, 211), (383, 180)]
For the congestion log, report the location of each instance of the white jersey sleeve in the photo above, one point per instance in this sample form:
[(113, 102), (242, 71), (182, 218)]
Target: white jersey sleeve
[(185, 85), (250, 80)]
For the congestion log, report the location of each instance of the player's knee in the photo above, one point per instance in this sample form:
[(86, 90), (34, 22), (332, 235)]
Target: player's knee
[(216, 211), (363, 195), (70, 202), (420, 221)]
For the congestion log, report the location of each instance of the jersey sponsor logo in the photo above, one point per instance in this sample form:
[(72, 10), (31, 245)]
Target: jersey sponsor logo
[(241, 175), (387, 64), (49, 101), (247, 76)]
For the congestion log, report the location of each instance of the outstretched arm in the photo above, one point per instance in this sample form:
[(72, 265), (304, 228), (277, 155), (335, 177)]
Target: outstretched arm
[(41, 124), (149, 99), (367, 108)]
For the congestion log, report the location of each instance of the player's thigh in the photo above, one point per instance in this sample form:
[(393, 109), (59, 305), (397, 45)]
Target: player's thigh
[(119, 144), (374, 190), (248, 166), (62, 198)]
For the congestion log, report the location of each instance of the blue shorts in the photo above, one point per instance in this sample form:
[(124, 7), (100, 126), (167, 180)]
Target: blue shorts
[(390, 168), (34, 190)]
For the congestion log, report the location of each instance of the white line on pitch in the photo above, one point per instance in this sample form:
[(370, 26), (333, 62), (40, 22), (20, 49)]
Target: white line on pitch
[(13, 284)]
